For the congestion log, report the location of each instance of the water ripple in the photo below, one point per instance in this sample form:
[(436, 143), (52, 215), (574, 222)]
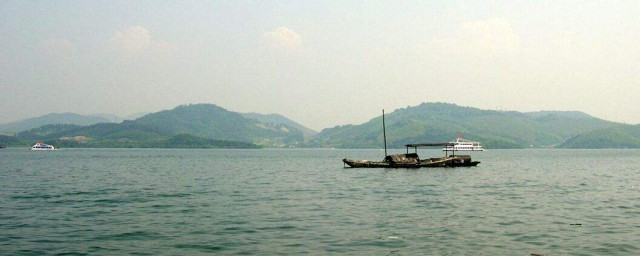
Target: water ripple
[(284, 202)]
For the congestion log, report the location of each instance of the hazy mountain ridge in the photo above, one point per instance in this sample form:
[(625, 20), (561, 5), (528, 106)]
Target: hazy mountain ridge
[(196, 125), (208, 125), (620, 136), (214, 122), (55, 118), (569, 114), (443, 122), (279, 119), (64, 118)]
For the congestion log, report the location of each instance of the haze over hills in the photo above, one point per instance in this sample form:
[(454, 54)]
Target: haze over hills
[(199, 125), (279, 119), (443, 122), (64, 118), (208, 125), (619, 136), (56, 118), (302, 60), (214, 122)]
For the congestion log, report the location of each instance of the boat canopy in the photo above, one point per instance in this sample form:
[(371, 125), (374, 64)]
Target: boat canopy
[(437, 144)]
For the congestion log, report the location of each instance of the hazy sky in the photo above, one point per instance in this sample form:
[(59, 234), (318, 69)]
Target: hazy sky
[(320, 63)]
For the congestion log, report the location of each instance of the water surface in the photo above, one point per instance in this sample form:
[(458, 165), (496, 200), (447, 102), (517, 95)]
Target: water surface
[(193, 202)]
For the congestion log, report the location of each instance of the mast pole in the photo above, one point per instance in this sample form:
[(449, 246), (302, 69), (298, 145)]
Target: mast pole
[(384, 134)]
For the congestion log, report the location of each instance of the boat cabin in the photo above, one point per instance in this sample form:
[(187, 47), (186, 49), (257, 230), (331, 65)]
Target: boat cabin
[(403, 159)]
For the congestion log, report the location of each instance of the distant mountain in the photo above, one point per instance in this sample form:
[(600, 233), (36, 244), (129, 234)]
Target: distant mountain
[(55, 118), (213, 122), (562, 125), (443, 122), (120, 119), (133, 116), (276, 119), (211, 126), (620, 136), (568, 114), (112, 118), (199, 125)]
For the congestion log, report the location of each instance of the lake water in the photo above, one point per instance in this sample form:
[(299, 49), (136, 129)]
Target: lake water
[(202, 202)]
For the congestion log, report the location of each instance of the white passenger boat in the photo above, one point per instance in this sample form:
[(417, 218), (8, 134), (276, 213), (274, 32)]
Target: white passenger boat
[(463, 145), (42, 146)]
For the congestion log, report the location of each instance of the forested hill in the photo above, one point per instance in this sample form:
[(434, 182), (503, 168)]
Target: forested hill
[(620, 136), (214, 122), (443, 122), (197, 125), (211, 126)]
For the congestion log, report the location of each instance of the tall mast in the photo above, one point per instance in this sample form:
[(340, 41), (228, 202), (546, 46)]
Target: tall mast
[(384, 134)]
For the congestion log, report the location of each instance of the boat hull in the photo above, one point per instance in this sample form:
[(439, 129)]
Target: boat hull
[(430, 163)]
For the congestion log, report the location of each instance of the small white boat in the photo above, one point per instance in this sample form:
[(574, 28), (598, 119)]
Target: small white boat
[(42, 146), (463, 145)]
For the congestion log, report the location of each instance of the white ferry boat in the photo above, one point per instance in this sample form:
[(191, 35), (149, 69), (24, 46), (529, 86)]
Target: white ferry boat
[(463, 145), (42, 146)]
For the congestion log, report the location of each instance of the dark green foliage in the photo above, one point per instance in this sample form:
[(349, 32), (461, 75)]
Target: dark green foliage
[(178, 141), (190, 141), (6, 140)]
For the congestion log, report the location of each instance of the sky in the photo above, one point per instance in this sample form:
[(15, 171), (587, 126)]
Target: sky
[(319, 63)]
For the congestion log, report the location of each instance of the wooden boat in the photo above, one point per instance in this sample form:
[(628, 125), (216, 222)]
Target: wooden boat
[(412, 160)]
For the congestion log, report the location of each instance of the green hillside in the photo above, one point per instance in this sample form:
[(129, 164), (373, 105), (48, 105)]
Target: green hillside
[(210, 126), (177, 141), (11, 141), (442, 122), (101, 135), (566, 124), (213, 122), (620, 136), (191, 126)]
